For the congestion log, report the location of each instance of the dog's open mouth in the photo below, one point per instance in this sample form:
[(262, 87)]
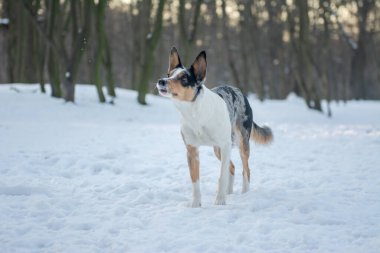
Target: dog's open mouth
[(163, 92)]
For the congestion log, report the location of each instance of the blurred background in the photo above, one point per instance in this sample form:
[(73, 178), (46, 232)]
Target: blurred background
[(319, 49)]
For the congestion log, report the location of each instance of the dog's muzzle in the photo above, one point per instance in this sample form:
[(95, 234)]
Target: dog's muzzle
[(162, 87)]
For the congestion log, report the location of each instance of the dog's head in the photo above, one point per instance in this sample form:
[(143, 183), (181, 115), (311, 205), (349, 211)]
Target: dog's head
[(183, 83)]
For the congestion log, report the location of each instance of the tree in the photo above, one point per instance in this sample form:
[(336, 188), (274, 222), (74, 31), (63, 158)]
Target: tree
[(23, 42), (188, 31), (306, 83), (52, 7), (326, 52), (151, 42), (100, 47), (77, 16), (250, 50), (80, 15), (230, 56), (359, 58)]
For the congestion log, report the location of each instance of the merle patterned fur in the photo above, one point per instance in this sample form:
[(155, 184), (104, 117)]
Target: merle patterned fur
[(239, 109)]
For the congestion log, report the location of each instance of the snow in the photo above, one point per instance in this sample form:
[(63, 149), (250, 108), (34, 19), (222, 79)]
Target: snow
[(114, 178), (4, 21)]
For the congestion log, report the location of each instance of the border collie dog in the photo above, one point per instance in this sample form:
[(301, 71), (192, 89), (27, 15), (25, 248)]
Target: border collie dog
[(219, 117)]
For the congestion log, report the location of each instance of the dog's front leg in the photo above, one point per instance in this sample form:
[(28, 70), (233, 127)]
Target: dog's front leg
[(222, 188), (193, 161)]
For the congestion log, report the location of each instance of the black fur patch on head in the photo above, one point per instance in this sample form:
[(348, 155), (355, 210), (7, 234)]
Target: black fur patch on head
[(187, 79)]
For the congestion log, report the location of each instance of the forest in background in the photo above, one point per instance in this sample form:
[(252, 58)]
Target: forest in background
[(319, 49)]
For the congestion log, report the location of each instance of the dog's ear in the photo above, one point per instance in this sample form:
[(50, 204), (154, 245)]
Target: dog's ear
[(199, 67), (174, 60)]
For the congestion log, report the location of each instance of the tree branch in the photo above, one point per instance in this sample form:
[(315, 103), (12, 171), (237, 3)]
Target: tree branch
[(350, 41)]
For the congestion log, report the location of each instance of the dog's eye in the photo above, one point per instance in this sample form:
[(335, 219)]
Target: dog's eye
[(184, 79)]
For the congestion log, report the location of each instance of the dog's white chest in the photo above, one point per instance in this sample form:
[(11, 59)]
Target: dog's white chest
[(196, 129), (197, 134), (206, 121)]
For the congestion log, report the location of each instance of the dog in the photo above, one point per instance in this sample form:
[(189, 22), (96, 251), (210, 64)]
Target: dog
[(219, 117)]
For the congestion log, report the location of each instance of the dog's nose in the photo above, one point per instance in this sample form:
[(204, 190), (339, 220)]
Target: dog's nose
[(161, 82)]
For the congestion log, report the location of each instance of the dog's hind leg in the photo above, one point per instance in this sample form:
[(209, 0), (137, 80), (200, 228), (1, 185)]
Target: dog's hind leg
[(230, 187), (244, 154), (225, 153), (193, 161)]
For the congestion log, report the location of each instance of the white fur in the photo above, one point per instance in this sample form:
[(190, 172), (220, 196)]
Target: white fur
[(196, 195), (176, 73), (245, 184), (230, 188), (206, 122)]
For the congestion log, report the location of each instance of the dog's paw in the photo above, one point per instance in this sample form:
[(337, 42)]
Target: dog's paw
[(220, 200), (196, 203)]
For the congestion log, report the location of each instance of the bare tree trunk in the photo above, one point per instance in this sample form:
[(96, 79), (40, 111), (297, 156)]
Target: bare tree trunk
[(107, 61), (359, 59), (276, 47), (311, 93), (54, 75), (231, 60), (41, 52), (9, 42), (144, 9), (254, 48), (53, 63), (149, 59), (188, 35), (70, 62), (326, 54), (23, 44), (100, 48), (244, 53), (79, 41)]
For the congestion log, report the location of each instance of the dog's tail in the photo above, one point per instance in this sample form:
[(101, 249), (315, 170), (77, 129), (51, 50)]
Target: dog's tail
[(261, 135)]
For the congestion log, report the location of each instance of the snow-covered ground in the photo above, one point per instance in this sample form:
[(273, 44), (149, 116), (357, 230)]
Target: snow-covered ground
[(102, 178)]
